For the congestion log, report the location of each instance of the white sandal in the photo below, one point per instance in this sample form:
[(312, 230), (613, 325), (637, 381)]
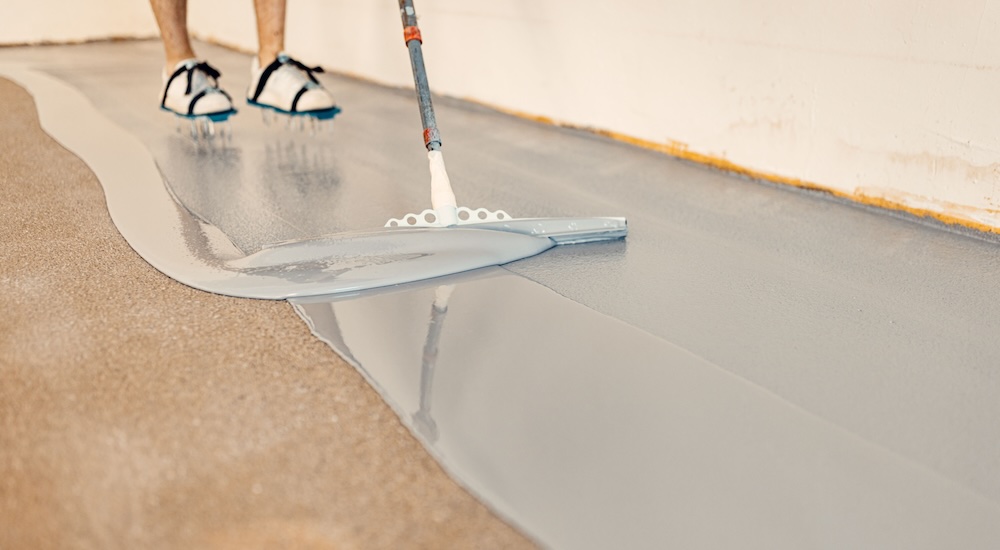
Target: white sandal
[(193, 91), (289, 87)]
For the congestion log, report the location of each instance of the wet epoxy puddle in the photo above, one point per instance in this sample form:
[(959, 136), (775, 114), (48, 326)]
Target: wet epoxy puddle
[(853, 351)]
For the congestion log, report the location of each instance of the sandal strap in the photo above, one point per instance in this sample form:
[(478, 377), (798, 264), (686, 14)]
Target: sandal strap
[(295, 102), (195, 99), (178, 72)]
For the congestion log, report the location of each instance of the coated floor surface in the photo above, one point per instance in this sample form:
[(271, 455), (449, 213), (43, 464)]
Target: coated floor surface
[(754, 366)]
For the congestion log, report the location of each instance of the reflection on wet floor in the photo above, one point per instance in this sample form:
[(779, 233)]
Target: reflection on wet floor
[(755, 367), (275, 179), (423, 422)]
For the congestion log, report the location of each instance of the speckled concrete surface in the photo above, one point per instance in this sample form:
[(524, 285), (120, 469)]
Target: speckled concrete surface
[(139, 413)]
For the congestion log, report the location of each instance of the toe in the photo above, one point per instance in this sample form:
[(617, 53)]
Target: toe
[(315, 99), (212, 102)]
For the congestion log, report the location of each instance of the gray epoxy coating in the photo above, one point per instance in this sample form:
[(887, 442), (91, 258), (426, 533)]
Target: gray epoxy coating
[(591, 434), (855, 332)]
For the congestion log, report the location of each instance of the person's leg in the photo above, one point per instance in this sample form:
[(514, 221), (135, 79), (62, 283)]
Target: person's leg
[(190, 89), (270, 29), (171, 16), (283, 83)]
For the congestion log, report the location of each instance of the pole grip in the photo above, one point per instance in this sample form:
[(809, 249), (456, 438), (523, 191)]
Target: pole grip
[(413, 40)]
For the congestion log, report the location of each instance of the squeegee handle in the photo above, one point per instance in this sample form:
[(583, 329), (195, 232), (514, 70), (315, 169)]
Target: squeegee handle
[(411, 33)]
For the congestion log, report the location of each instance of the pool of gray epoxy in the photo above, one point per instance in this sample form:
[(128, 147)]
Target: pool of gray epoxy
[(881, 326)]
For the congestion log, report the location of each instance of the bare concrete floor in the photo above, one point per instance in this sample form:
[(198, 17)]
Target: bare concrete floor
[(136, 412)]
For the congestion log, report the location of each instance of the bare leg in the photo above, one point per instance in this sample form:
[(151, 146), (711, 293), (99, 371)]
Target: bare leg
[(171, 16), (270, 29), (295, 90)]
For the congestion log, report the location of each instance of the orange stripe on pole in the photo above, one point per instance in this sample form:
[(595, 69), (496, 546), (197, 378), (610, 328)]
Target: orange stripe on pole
[(412, 33)]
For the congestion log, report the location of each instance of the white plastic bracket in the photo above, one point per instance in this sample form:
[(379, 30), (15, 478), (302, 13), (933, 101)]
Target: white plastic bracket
[(462, 215)]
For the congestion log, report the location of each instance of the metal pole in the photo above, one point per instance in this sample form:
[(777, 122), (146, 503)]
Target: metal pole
[(411, 33)]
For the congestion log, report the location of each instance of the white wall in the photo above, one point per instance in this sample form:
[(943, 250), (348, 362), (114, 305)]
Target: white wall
[(891, 100), (38, 21)]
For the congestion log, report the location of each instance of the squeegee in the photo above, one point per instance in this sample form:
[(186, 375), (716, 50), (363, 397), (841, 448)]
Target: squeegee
[(444, 211)]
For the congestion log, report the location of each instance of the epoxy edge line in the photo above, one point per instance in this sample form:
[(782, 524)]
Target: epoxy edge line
[(60, 108), (403, 417)]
